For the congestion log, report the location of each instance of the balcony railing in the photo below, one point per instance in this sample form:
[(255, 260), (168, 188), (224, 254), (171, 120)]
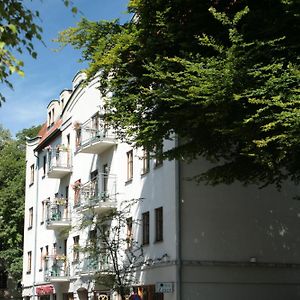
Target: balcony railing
[(58, 214), (90, 265), (59, 163), (99, 193), (87, 265), (58, 269), (94, 136)]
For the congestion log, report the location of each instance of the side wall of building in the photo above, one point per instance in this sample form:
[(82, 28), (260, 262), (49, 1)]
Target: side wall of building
[(238, 242)]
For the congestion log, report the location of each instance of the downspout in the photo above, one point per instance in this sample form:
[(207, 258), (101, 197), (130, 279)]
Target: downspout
[(178, 226), (35, 226)]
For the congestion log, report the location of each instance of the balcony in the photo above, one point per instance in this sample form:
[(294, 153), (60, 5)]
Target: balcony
[(94, 136), (59, 163), (58, 214), (90, 265), (57, 269), (98, 194), (86, 266)]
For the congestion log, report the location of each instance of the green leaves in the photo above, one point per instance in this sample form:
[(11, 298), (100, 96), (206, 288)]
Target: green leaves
[(222, 76), (18, 29), (12, 185)]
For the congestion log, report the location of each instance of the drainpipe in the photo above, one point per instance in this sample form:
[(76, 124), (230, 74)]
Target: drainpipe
[(35, 226), (178, 226)]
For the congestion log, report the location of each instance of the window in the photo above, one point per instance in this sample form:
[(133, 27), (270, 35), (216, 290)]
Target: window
[(129, 235), (41, 258), (29, 261), (145, 220), (76, 187), (105, 182), (46, 258), (43, 212), (159, 224), (30, 218), (129, 165), (76, 248), (44, 165), (67, 192), (65, 247), (3, 279), (68, 140), (31, 179), (95, 126), (158, 156), (49, 118), (92, 240), (52, 121), (54, 249), (145, 161)]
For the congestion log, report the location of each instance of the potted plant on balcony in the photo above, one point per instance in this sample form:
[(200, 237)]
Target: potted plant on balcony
[(60, 201), (60, 257), (76, 185), (76, 125)]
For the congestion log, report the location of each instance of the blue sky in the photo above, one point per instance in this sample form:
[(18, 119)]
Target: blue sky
[(51, 72)]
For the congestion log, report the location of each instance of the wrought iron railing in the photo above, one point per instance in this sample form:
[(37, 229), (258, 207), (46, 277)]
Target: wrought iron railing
[(101, 189), (93, 130), (59, 158)]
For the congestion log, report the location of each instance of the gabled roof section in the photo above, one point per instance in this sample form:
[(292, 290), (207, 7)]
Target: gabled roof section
[(47, 134), (52, 101)]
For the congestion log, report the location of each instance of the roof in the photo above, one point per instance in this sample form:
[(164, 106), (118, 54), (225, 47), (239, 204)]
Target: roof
[(47, 134)]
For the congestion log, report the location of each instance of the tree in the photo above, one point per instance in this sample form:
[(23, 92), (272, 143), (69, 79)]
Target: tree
[(221, 76), (112, 250), (12, 183), (18, 29)]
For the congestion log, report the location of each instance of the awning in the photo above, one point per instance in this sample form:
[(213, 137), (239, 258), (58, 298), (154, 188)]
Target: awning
[(44, 290)]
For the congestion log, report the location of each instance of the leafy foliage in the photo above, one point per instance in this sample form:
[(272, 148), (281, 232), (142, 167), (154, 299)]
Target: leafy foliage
[(222, 76), (118, 254), (12, 183), (18, 29)]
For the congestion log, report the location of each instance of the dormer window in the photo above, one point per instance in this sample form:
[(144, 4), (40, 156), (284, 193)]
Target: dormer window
[(52, 116), (49, 118)]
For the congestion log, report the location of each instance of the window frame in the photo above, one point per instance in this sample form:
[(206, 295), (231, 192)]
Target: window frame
[(41, 258), (29, 262), (158, 161), (159, 224), (30, 218), (46, 258), (146, 228), (76, 251), (44, 166), (129, 155), (145, 162), (129, 232), (31, 178)]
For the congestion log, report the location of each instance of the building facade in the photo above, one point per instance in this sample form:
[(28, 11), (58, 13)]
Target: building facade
[(192, 241)]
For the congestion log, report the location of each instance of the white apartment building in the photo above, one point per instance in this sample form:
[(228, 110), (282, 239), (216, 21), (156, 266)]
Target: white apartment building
[(198, 242)]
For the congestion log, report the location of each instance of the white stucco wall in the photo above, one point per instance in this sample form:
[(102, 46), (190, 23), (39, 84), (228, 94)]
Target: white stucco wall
[(238, 241)]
